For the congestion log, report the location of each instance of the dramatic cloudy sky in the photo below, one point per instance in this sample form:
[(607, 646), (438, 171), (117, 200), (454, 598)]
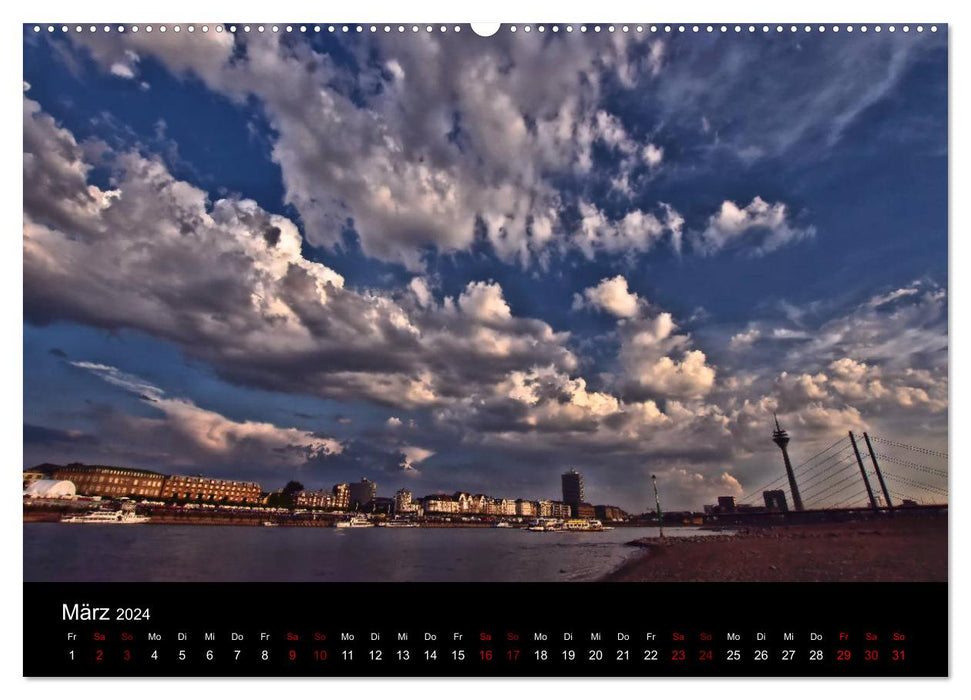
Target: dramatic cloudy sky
[(451, 262)]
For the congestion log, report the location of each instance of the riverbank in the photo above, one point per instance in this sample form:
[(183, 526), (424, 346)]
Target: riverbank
[(898, 549)]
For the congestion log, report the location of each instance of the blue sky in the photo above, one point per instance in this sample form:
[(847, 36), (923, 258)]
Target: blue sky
[(449, 262)]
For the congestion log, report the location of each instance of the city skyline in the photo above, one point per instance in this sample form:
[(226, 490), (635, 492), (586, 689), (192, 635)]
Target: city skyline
[(442, 260), (49, 482)]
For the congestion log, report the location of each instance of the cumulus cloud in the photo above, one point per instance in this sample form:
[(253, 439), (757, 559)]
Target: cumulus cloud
[(880, 364), (653, 155), (444, 133), (610, 295), (442, 136), (227, 282), (745, 338), (759, 228), (636, 231), (691, 377), (657, 362)]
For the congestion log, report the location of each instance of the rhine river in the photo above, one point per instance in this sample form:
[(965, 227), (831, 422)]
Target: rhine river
[(64, 552)]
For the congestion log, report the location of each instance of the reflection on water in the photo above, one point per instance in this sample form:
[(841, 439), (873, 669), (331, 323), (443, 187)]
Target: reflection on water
[(56, 552)]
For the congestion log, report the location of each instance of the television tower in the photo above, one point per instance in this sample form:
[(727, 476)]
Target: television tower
[(781, 438)]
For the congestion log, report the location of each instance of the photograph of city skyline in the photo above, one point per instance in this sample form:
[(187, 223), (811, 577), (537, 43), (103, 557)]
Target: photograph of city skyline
[(551, 286)]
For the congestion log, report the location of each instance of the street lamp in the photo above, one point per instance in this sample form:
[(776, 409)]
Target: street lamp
[(657, 501)]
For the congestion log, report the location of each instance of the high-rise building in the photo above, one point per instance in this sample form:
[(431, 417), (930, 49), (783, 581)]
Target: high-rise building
[(403, 503), (342, 496), (362, 492), (572, 487)]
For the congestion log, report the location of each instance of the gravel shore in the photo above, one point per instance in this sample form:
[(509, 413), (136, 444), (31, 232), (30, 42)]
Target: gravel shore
[(898, 549)]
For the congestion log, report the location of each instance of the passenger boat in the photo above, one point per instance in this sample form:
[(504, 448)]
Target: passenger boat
[(107, 517), (582, 525), (355, 522)]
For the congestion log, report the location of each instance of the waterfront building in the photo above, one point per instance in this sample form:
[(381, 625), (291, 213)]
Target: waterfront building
[(605, 513), (402, 500), (726, 504), (544, 509), (113, 482), (439, 504), (525, 508), (480, 503), (583, 510), (362, 492), (201, 488), (775, 500), (381, 505), (561, 510), (49, 488), (342, 496), (504, 506), (464, 501), (315, 499), (404, 505), (32, 476), (572, 483)]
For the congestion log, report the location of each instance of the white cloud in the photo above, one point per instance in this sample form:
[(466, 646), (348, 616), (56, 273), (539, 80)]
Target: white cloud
[(745, 338), (653, 155), (444, 133), (610, 295), (636, 231), (759, 227), (691, 377), (882, 299), (484, 301), (189, 432), (227, 282)]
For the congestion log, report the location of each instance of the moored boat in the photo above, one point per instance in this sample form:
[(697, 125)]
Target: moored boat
[(355, 522), (107, 517)]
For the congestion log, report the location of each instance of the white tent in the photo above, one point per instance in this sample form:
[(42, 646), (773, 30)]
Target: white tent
[(50, 488)]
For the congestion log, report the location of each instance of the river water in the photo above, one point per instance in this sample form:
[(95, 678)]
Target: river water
[(85, 552)]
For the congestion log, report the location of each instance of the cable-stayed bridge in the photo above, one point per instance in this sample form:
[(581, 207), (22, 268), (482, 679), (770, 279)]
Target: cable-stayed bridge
[(858, 472)]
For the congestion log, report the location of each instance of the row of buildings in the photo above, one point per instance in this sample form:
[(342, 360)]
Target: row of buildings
[(118, 482), (362, 496), (462, 503)]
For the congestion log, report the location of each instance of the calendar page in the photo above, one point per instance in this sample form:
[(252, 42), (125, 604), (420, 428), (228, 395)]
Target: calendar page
[(611, 349)]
